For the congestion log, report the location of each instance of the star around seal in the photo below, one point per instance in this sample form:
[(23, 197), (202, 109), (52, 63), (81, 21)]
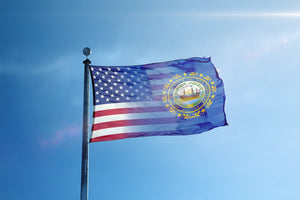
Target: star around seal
[(188, 95)]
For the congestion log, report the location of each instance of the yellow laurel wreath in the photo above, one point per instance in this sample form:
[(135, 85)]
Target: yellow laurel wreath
[(197, 113)]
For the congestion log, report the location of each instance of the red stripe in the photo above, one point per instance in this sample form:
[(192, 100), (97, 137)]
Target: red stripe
[(134, 134), (127, 110), (157, 98), (160, 76), (154, 66), (109, 137), (133, 122), (157, 87)]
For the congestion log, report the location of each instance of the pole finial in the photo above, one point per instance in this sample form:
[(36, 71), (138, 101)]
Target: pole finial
[(87, 51)]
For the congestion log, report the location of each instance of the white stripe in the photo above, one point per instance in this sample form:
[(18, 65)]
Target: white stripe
[(132, 129), (127, 105), (157, 93), (160, 81), (164, 70), (132, 116)]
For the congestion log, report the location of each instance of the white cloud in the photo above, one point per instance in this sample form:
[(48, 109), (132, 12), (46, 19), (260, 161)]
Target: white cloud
[(62, 135)]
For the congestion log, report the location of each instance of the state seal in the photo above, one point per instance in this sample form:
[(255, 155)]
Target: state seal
[(187, 95)]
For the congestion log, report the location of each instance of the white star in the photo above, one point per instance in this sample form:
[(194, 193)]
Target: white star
[(128, 80), (138, 98), (124, 83), (141, 86), (99, 81), (96, 85), (131, 76), (121, 87), (139, 79), (97, 101), (134, 83), (136, 90), (117, 99), (97, 73), (102, 96), (92, 69), (106, 73), (116, 73), (122, 94), (101, 88), (122, 76), (97, 92), (119, 80), (142, 94), (126, 91), (127, 98), (112, 95), (131, 94), (128, 68), (103, 76), (117, 91), (115, 84), (106, 92), (118, 69), (125, 72), (100, 69), (110, 88), (105, 84), (135, 72), (94, 77), (109, 69), (112, 76), (107, 99), (109, 80), (130, 87)]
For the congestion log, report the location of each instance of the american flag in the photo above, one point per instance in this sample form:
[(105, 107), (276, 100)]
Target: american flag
[(128, 100)]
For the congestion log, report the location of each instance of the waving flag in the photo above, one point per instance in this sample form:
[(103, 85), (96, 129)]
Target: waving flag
[(180, 97)]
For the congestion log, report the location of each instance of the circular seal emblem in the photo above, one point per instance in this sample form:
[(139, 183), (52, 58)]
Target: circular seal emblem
[(187, 95)]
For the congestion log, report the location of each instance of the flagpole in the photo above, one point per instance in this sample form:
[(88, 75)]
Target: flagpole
[(85, 128)]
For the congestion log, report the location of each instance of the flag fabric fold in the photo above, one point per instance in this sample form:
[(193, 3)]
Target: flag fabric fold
[(180, 97)]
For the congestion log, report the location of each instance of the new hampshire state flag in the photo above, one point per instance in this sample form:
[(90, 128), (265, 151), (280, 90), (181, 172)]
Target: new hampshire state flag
[(180, 97)]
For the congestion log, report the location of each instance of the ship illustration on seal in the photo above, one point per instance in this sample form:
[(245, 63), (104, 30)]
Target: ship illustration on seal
[(188, 92)]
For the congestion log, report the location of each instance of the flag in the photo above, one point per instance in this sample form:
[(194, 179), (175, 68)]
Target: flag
[(179, 97)]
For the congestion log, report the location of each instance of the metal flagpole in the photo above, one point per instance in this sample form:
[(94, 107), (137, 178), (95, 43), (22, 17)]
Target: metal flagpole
[(85, 128)]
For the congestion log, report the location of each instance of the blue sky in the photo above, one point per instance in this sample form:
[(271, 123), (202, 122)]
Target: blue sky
[(254, 44)]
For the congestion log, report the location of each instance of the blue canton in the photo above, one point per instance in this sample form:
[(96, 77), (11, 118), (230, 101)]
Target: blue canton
[(120, 84)]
